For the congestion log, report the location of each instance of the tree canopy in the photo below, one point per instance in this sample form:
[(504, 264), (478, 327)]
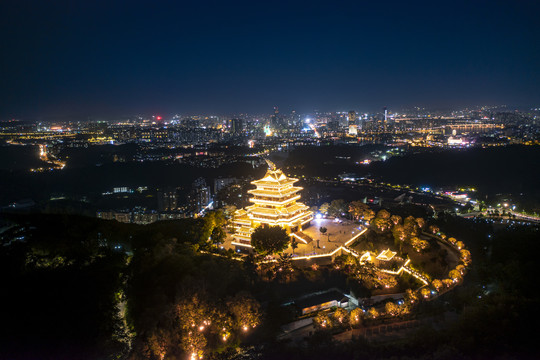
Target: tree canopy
[(269, 239)]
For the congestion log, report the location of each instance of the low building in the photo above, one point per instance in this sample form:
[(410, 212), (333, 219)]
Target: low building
[(322, 301)]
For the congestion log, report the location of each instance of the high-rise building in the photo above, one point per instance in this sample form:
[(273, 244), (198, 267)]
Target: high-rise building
[(236, 126), (200, 197), (167, 199), (353, 126), (220, 183), (274, 203), (385, 122), (352, 117)]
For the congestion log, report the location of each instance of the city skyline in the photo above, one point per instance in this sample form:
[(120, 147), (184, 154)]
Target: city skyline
[(77, 60)]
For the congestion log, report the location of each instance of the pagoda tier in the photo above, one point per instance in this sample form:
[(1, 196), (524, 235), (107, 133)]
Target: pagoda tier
[(274, 203)]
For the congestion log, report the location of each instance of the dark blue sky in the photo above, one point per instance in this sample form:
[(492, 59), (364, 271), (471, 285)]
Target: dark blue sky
[(107, 58)]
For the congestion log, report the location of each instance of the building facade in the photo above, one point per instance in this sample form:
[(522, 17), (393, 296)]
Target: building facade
[(275, 202)]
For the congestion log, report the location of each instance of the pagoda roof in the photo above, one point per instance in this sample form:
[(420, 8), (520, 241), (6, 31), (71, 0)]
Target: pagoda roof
[(275, 193), (386, 255), (255, 209), (274, 178)]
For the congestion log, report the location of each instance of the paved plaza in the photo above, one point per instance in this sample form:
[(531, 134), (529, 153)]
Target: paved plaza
[(337, 234)]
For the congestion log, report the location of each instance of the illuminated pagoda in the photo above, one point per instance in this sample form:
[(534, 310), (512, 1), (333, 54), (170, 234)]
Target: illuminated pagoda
[(274, 203)]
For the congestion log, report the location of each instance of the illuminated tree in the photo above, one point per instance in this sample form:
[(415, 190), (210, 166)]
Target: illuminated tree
[(324, 208), (447, 282), (421, 223), (411, 296), (269, 239), (347, 262), (193, 312), (454, 275), (419, 244), (211, 221), (391, 309), (452, 240), (340, 315), (410, 226), (368, 215), (228, 211), (395, 219), (355, 316), (383, 214), (398, 232), (381, 225), (367, 274), (437, 284), (283, 267), (357, 209), (156, 344), (434, 229), (425, 292), (218, 235), (194, 342), (386, 280), (372, 313), (465, 256), (322, 320), (460, 245), (245, 311)]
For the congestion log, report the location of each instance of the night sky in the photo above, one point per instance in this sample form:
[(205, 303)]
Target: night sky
[(114, 58)]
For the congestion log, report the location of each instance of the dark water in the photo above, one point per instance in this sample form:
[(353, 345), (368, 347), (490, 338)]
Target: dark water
[(19, 157), (512, 169)]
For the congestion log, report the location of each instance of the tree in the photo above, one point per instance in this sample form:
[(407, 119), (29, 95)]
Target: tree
[(381, 225), (447, 282), (245, 311), (372, 313), (396, 219), (411, 296), (357, 209), (437, 284), (391, 309), (434, 229), (383, 214), (454, 275), (324, 208), (340, 315), (419, 244), (410, 226), (322, 320), (218, 235), (421, 223), (369, 215), (337, 208), (228, 211), (294, 244), (398, 232), (355, 316), (425, 292), (269, 239), (283, 268), (323, 231), (211, 221)]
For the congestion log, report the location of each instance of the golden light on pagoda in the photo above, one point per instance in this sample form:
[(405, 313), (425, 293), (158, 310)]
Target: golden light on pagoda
[(275, 202)]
